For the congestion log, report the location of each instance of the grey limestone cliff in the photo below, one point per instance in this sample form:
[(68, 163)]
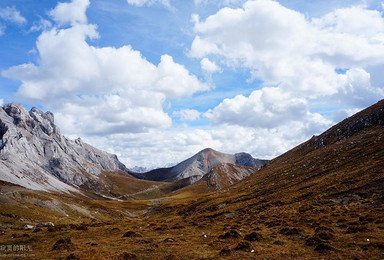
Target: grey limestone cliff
[(34, 154)]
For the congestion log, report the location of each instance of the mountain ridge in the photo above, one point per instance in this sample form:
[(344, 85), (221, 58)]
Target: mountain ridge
[(200, 164)]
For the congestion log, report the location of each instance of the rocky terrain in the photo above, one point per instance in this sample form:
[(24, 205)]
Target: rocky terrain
[(34, 154)]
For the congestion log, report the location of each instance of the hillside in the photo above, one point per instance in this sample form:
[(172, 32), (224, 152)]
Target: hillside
[(325, 195), (321, 200)]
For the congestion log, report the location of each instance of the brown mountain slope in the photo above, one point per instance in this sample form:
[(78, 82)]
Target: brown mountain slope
[(325, 195)]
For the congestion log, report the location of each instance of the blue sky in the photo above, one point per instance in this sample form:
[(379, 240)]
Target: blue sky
[(163, 79)]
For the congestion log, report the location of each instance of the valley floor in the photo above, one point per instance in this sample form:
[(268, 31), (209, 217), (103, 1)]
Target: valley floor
[(167, 230)]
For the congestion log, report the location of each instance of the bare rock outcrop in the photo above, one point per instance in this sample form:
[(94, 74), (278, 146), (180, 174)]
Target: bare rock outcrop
[(34, 154)]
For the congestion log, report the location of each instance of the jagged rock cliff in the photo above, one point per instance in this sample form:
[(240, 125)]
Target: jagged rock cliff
[(35, 155)]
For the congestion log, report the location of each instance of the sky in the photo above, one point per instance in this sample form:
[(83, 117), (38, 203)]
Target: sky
[(156, 81)]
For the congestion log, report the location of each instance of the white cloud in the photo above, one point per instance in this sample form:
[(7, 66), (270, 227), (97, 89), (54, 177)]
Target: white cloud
[(177, 144), (175, 81), (201, 47), (209, 66), (98, 91), (355, 20), (266, 108), (70, 13), (166, 3), (187, 114), (1, 101), (298, 56), (41, 25), (356, 90), (11, 14)]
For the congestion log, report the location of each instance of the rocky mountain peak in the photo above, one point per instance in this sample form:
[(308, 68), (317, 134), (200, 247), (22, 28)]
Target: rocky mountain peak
[(46, 121), (206, 150), (200, 164), (34, 154), (29, 120), (18, 113)]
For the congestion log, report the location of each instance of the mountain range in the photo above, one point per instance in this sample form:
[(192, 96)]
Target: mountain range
[(323, 199), (35, 155)]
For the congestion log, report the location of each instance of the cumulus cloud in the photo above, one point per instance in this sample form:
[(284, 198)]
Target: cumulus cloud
[(1, 102), (267, 108), (187, 114), (297, 58), (209, 66), (176, 144), (98, 91), (70, 13), (11, 14)]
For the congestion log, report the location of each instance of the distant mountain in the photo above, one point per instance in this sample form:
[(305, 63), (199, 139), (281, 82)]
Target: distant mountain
[(200, 164), (139, 169), (34, 154)]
